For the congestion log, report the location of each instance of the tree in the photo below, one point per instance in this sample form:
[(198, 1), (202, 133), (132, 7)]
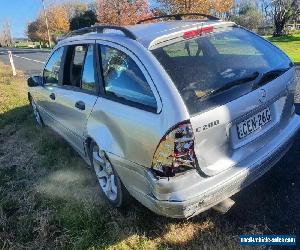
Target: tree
[(58, 20), (5, 35), (58, 24), (33, 31), (74, 7), (83, 19), (248, 15), (281, 11), (122, 12), (196, 6)]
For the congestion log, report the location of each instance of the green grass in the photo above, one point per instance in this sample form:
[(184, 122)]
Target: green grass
[(289, 44), (49, 199)]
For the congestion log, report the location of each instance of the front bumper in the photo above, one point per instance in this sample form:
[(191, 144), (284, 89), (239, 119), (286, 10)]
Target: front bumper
[(190, 194)]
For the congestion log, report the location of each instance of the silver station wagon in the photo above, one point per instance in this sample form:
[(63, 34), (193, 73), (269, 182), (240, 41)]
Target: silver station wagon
[(180, 114)]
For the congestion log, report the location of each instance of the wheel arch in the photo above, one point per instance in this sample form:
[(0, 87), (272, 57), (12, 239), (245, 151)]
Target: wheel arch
[(89, 140), (102, 136)]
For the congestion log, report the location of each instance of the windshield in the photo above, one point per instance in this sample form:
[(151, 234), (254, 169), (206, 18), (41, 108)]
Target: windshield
[(211, 70)]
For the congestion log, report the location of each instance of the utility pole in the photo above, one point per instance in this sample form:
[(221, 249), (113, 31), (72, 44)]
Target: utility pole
[(47, 25)]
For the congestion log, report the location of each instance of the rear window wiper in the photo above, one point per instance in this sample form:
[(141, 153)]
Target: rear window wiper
[(269, 76), (232, 84)]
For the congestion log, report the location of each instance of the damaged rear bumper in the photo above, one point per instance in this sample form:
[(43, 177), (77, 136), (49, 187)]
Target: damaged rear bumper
[(188, 195)]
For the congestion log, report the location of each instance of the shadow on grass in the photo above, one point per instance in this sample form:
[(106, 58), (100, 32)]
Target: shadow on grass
[(50, 199)]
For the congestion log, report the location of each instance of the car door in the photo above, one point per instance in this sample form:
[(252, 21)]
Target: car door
[(127, 113), (45, 94), (78, 93)]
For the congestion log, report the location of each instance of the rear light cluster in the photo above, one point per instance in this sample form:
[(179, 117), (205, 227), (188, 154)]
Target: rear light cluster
[(175, 152), (197, 32)]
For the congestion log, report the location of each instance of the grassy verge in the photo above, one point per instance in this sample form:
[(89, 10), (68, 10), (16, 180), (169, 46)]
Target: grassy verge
[(289, 44), (50, 200)]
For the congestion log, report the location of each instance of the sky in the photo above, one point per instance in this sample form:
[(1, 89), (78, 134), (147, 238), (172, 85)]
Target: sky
[(19, 12)]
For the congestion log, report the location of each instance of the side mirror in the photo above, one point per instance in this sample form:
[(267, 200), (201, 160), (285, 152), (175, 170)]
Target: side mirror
[(35, 81)]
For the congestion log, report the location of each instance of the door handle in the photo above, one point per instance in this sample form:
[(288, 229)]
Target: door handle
[(80, 105), (52, 96)]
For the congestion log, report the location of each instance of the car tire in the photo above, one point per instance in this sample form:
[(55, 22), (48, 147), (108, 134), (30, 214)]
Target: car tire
[(109, 182), (36, 113)]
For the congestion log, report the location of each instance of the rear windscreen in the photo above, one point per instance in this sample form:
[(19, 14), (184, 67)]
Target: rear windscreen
[(211, 70)]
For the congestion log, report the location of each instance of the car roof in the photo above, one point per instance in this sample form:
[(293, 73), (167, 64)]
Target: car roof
[(147, 33)]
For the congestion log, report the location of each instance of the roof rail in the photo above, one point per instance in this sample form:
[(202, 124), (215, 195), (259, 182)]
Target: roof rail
[(100, 29), (178, 17)]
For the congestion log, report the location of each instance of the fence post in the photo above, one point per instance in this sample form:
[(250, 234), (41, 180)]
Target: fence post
[(12, 63)]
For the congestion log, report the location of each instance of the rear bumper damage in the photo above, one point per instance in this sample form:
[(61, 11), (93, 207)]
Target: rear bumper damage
[(190, 194)]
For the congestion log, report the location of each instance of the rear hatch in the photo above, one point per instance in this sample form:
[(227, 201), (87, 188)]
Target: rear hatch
[(237, 87)]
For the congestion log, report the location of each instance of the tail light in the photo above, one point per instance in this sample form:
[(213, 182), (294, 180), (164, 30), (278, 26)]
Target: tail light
[(197, 32), (175, 152)]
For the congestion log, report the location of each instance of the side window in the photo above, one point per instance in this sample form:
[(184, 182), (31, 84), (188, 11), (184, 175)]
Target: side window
[(76, 66), (51, 71), (124, 80), (88, 75)]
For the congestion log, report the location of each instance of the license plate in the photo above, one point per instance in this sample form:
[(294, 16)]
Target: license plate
[(253, 123)]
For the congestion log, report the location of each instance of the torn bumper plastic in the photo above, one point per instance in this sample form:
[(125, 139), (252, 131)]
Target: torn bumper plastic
[(190, 194)]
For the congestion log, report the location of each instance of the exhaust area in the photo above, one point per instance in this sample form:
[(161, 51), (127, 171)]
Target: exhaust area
[(224, 206)]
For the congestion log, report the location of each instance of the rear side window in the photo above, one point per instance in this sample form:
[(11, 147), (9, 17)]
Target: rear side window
[(79, 54), (79, 71), (214, 69), (52, 68), (124, 80), (88, 75), (74, 73)]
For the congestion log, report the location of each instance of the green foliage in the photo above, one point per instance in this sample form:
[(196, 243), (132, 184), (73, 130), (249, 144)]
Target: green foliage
[(248, 16), (83, 19), (290, 44)]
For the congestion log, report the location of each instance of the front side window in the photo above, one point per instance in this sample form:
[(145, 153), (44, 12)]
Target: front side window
[(52, 68), (124, 80)]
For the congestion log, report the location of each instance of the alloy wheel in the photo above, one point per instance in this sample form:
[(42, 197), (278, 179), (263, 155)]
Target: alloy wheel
[(105, 174)]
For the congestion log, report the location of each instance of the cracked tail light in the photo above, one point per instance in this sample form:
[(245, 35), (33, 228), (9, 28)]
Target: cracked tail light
[(175, 152)]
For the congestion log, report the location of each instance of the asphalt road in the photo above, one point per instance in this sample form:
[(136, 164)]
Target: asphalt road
[(30, 61)]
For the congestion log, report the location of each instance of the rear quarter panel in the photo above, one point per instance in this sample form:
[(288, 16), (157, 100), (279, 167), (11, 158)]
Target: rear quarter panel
[(129, 132)]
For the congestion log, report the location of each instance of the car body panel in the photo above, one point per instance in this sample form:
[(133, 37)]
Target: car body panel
[(71, 118), (187, 195), (116, 119), (219, 148)]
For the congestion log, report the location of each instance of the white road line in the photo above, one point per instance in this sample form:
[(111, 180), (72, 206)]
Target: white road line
[(29, 59), (25, 58)]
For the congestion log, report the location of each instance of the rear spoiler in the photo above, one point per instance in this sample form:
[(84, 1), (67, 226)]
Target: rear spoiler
[(191, 32)]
